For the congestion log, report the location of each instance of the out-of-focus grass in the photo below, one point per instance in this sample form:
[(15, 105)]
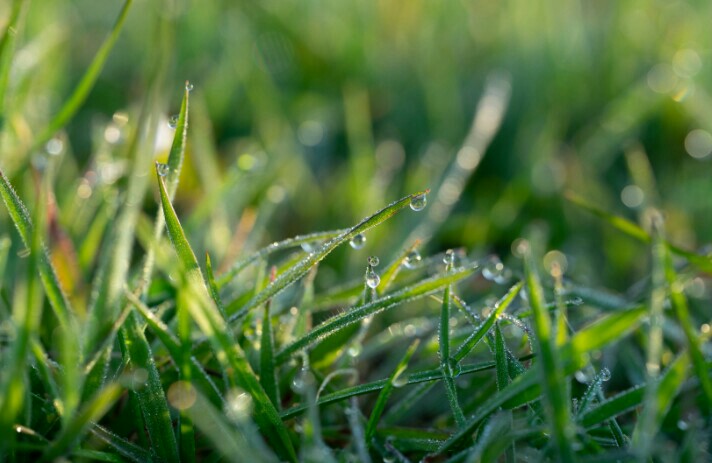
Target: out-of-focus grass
[(522, 118)]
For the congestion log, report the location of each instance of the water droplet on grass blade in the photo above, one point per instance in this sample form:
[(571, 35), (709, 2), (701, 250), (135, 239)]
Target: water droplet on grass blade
[(373, 261), (449, 257), (453, 367), (162, 169), (358, 241), (354, 349), (302, 380), (188, 86), (400, 380), (372, 278), (605, 374), (418, 202), (173, 121), (412, 259)]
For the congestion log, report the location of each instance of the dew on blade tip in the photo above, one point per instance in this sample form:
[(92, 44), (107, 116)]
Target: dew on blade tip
[(173, 121), (162, 169), (412, 259), (358, 241), (188, 86), (372, 278), (605, 374), (373, 261), (449, 257), (418, 202)]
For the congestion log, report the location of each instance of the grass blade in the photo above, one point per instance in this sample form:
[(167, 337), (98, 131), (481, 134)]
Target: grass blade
[(268, 369), (123, 447), (7, 49), (91, 412), (386, 392), (299, 270), (446, 366), (86, 83), (550, 368), (358, 313), (474, 339), (213, 325)]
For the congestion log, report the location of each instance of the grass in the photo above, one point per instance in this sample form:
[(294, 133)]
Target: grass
[(119, 343)]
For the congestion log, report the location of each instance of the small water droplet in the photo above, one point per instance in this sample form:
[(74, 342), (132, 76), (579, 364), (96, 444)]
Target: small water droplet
[(358, 241), (372, 278), (354, 349), (524, 294), (173, 121), (418, 202), (54, 146), (188, 86), (581, 377), (503, 277), (309, 247), (302, 380), (682, 426), (605, 374), (449, 257), (162, 169), (400, 381), (373, 261), (493, 268), (18, 429), (412, 259)]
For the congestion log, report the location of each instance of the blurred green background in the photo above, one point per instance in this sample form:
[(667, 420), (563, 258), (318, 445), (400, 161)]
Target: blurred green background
[(316, 113)]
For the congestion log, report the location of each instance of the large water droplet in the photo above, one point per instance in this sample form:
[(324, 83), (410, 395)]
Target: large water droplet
[(449, 257), (188, 86), (373, 261), (418, 202), (358, 241), (354, 349), (412, 259), (400, 380), (173, 121), (162, 169), (493, 268), (605, 374), (372, 278), (302, 380)]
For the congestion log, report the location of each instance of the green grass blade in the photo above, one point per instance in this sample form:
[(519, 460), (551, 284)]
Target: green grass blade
[(207, 316), (86, 83), (126, 449), (679, 303), (550, 368), (7, 49), (474, 339), (391, 272), (213, 286), (263, 253), (633, 230), (386, 392), (299, 270), (358, 313), (268, 369), (80, 423), (21, 218), (500, 359), (446, 366), (613, 407)]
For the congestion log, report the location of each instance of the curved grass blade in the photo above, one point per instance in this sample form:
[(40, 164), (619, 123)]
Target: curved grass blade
[(208, 318), (21, 218), (86, 83), (268, 369), (474, 339), (386, 392), (299, 270), (552, 379), (126, 449), (241, 264), (633, 230), (358, 313), (613, 407), (78, 425), (391, 272)]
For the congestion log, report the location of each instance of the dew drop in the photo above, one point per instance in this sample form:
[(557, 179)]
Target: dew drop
[(400, 381), (503, 277), (358, 241), (493, 268), (302, 380), (309, 247), (412, 259), (453, 367), (581, 377), (173, 121), (449, 257), (605, 374), (372, 278), (188, 86), (162, 169), (373, 261), (354, 349), (418, 202)]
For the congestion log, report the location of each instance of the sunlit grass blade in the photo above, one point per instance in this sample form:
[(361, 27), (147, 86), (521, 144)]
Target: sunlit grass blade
[(299, 270), (679, 303), (500, 358), (549, 365), (309, 239), (7, 49), (633, 230), (356, 314), (484, 328), (85, 85), (380, 405), (213, 287), (21, 219), (268, 369), (207, 316), (234, 442), (79, 424)]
